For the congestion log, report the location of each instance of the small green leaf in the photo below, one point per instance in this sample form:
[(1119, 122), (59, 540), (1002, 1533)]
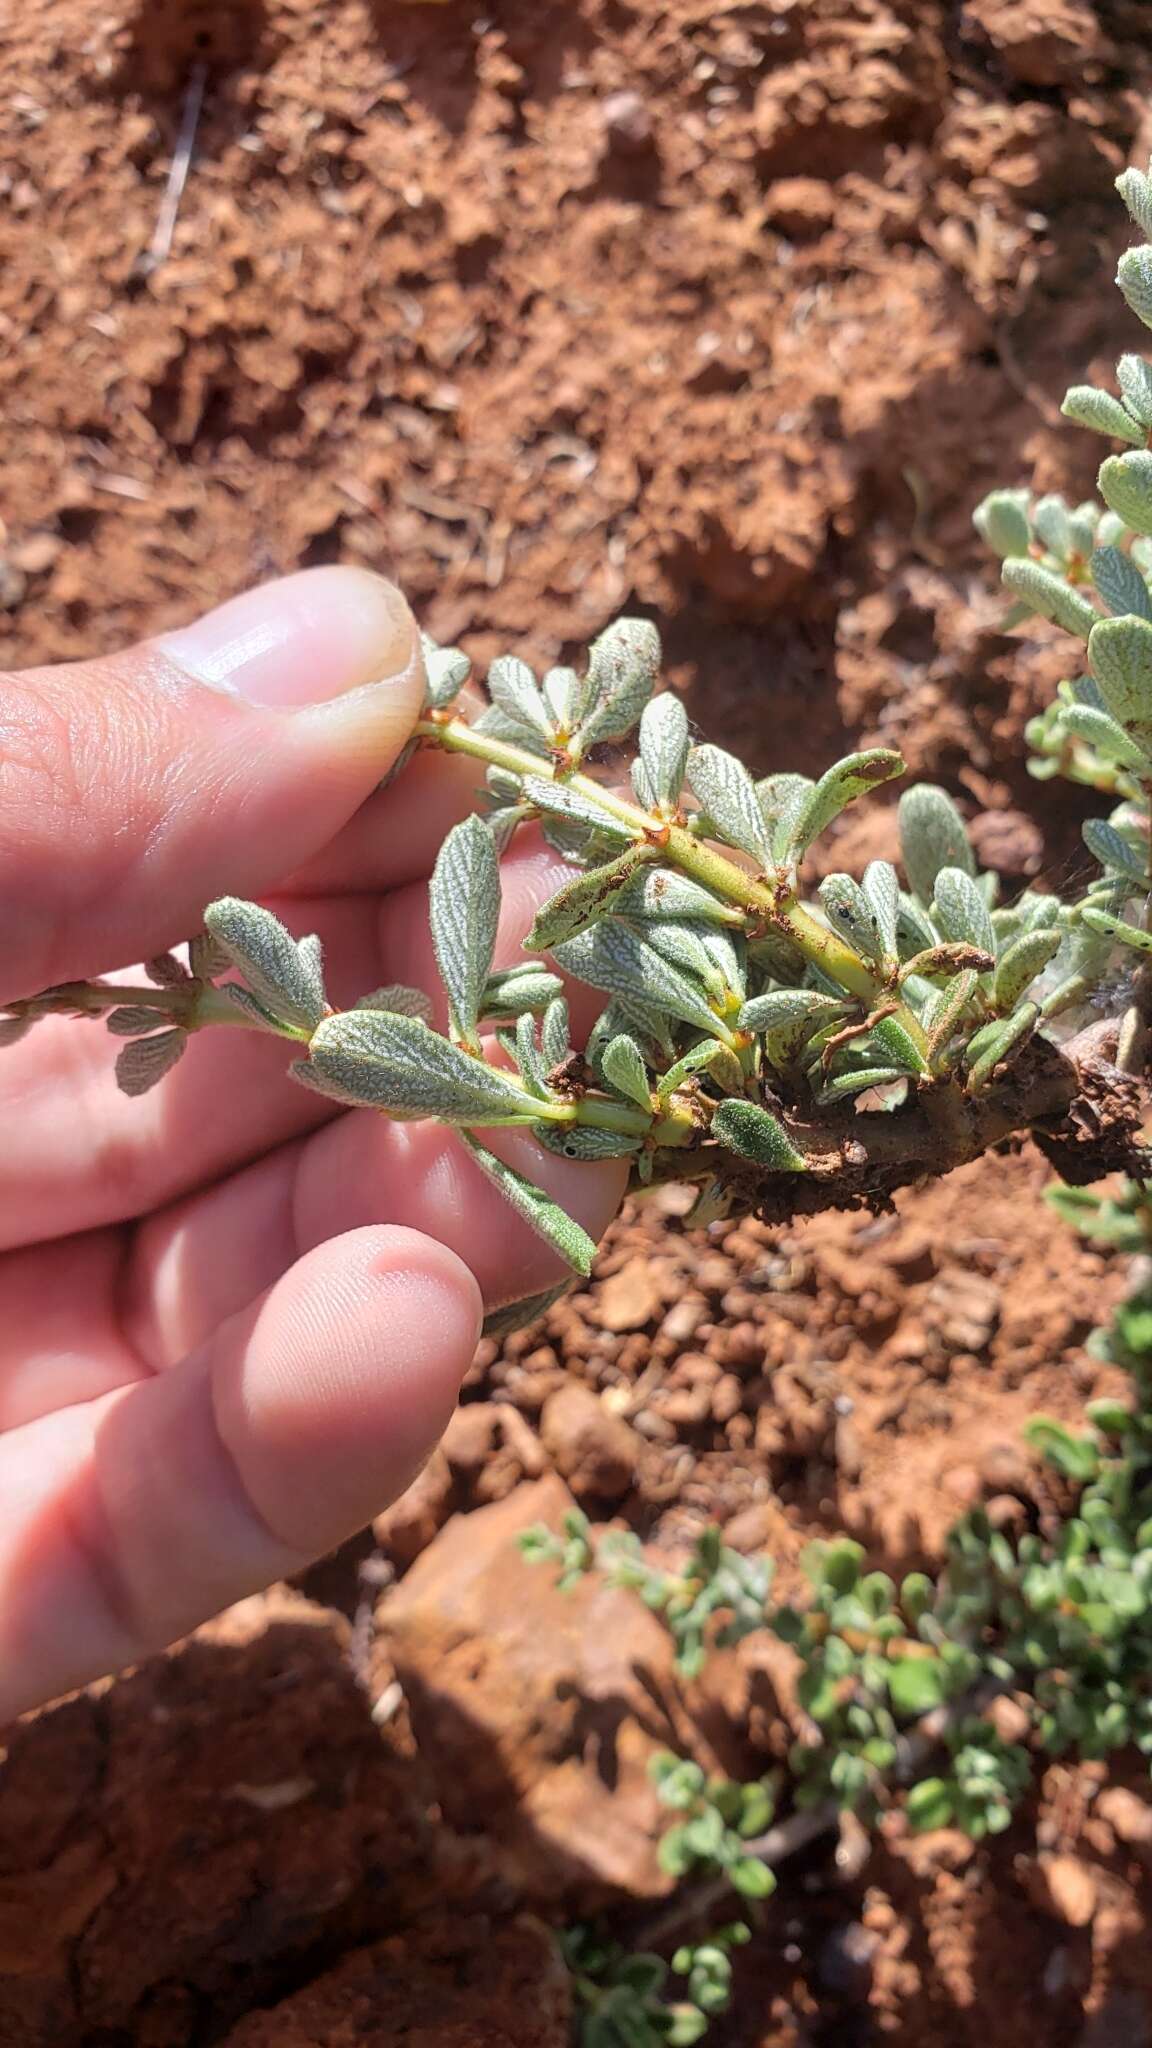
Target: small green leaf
[(1136, 192), (585, 1141), (789, 1006), (960, 913), (517, 990), (1114, 851), (622, 1064), (410, 1002), (1116, 928), (1120, 654), (839, 786), (841, 1086), (144, 1062), (1090, 407), (623, 670), (546, 1217), (387, 1061), (284, 973), (710, 1057), (745, 1128), (1100, 730), (513, 690), (989, 1047), (1050, 595), (657, 892), (1024, 959), (583, 900), (1120, 583), (1134, 277), (929, 1805), (613, 957), (932, 836), (1126, 487), (849, 913), (897, 1046), (881, 886), (447, 670), (1076, 1456), (464, 910), (753, 1879), (916, 1685), (1135, 377), (1002, 520), (728, 794), (664, 749), (556, 799), (560, 689)]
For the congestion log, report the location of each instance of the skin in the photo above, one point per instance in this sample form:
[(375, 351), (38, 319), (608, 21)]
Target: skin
[(233, 1318)]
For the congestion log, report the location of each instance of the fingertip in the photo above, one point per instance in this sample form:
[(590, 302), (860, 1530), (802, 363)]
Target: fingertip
[(349, 1376)]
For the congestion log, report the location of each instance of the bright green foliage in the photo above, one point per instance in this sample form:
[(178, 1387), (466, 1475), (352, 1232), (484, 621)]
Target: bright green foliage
[(718, 1820), (621, 1996)]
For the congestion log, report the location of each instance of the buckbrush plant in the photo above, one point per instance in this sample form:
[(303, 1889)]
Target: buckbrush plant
[(786, 1052)]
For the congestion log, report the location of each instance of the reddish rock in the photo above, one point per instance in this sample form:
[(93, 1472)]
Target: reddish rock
[(528, 1703), (592, 1448), (408, 1526), (456, 1983), (630, 1298)]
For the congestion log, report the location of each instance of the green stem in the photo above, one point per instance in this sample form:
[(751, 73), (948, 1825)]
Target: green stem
[(762, 900), (676, 1127)]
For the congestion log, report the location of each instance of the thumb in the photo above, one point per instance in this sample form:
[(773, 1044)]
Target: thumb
[(216, 759)]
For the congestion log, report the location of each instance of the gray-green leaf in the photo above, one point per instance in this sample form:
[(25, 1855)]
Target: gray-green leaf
[(1134, 277), (988, 1047), (932, 836), (613, 957), (447, 670), (960, 912), (1002, 520), (1126, 487), (1135, 377), (1120, 583), (789, 1006), (387, 1061), (623, 670), (1049, 595), (558, 800), (1112, 850), (1101, 731), (519, 990), (557, 1229), (622, 1065), (728, 795), (664, 748), (1136, 192), (839, 786), (145, 1061), (583, 900), (284, 973), (1120, 654), (513, 689), (749, 1131), (464, 910), (1023, 960), (881, 887), (1091, 407), (849, 912)]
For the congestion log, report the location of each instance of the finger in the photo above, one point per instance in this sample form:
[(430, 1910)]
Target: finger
[(78, 1154), (136, 788), (202, 1259), (132, 1518)]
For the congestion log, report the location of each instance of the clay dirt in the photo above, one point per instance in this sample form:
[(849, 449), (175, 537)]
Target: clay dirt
[(728, 314)]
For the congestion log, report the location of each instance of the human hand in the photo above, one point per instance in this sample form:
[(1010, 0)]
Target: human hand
[(233, 1319)]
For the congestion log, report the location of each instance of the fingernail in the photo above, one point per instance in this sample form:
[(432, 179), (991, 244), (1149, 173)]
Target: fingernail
[(303, 640)]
